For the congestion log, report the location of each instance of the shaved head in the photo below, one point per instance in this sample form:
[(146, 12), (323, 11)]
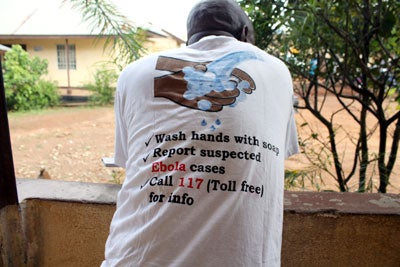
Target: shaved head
[(219, 17)]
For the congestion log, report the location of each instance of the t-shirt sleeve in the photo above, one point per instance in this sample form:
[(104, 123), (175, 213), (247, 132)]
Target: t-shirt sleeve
[(292, 144), (121, 136)]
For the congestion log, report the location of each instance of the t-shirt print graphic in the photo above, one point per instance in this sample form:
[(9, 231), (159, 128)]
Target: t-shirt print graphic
[(206, 86)]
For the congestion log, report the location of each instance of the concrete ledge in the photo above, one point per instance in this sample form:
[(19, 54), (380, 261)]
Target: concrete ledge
[(66, 224), (295, 202), (342, 203), (67, 191)]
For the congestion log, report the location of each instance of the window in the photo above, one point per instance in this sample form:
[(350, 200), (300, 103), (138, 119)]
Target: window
[(62, 57)]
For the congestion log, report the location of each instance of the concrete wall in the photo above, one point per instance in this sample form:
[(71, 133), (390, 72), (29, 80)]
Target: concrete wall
[(341, 229), (66, 224)]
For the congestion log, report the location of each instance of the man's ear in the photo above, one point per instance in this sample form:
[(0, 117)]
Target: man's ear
[(244, 35)]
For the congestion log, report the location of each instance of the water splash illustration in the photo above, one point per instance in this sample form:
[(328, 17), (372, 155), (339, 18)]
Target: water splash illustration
[(217, 76), (214, 126)]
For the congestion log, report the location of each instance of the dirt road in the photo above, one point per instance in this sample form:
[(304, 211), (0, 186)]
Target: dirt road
[(70, 142)]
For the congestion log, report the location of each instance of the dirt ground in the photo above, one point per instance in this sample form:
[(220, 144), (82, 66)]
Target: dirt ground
[(69, 144)]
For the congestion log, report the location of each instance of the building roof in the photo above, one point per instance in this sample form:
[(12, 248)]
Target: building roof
[(4, 48), (26, 18), (41, 17)]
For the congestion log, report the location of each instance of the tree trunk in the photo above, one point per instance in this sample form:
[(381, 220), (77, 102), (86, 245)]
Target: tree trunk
[(364, 146)]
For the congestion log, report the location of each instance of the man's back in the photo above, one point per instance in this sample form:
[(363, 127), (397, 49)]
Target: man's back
[(203, 132)]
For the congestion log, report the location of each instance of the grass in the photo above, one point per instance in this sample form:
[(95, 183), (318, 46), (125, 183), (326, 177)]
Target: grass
[(53, 111)]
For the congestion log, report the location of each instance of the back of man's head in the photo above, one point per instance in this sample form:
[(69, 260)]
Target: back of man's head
[(218, 16)]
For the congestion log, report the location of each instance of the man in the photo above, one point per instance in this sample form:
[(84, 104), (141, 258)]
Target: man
[(203, 132)]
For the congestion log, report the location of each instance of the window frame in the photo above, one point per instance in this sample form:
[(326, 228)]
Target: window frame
[(62, 53)]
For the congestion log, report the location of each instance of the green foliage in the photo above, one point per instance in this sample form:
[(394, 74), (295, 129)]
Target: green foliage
[(349, 50), (102, 88), (266, 14), (117, 176), (25, 90), (303, 180), (124, 40)]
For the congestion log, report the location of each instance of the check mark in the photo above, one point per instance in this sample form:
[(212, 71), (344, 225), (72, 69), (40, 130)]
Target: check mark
[(145, 158), (148, 142), (144, 184)]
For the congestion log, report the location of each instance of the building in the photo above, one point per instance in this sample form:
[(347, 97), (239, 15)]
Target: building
[(56, 30), (3, 50)]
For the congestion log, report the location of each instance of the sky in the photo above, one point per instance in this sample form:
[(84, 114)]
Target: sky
[(169, 15)]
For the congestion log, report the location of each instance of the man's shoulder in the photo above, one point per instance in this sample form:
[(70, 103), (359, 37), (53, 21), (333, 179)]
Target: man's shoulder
[(149, 60)]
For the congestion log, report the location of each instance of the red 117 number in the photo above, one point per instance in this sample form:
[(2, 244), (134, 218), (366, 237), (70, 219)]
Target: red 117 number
[(190, 182)]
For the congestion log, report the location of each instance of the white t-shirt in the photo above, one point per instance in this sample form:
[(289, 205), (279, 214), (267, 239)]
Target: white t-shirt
[(203, 132)]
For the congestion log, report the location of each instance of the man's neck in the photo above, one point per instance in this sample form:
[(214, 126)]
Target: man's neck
[(197, 36)]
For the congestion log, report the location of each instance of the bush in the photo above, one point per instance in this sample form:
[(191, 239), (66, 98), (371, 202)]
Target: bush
[(102, 89), (25, 90)]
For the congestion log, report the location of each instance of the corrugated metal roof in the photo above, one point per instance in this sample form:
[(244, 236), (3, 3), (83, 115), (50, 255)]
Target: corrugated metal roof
[(49, 18)]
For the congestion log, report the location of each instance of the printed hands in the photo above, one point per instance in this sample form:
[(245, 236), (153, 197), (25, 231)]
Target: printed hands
[(204, 86)]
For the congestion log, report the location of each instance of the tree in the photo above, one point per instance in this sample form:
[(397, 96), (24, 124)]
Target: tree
[(23, 79), (348, 50), (102, 89), (124, 40)]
